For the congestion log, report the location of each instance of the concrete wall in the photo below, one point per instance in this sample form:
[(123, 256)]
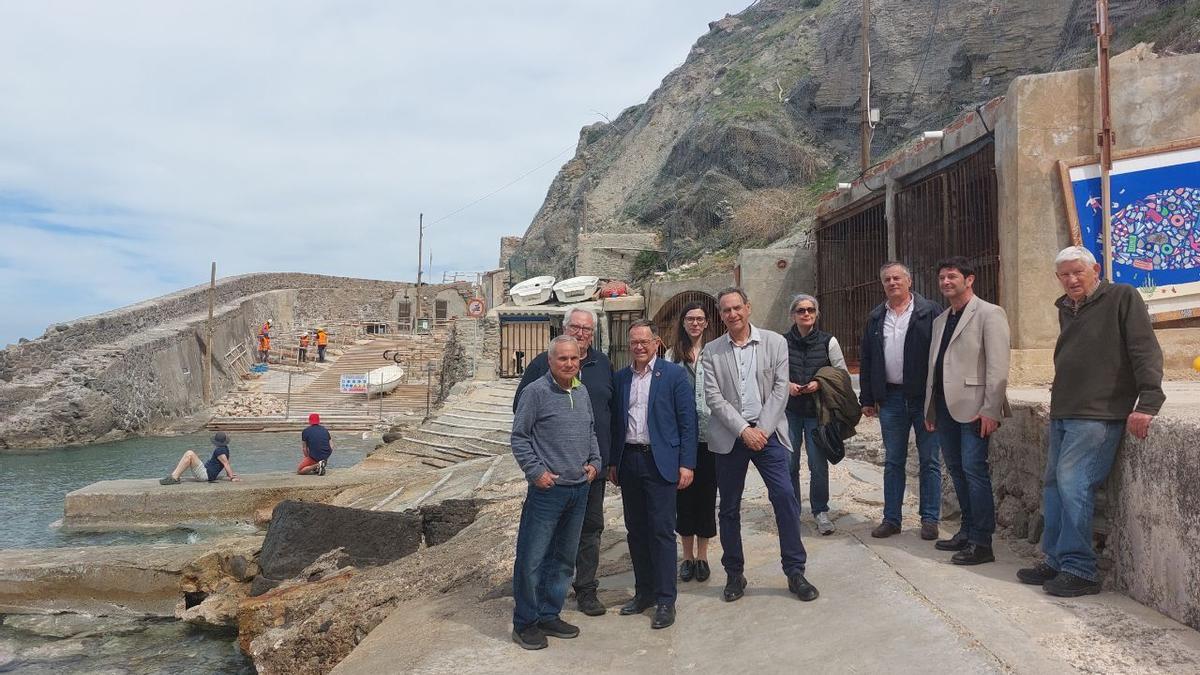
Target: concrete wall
[(1050, 117), (771, 276), (658, 293), (610, 255)]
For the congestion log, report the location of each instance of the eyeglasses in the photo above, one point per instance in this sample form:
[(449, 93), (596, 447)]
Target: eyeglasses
[(641, 343), (695, 319), (587, 330), (804, 310)]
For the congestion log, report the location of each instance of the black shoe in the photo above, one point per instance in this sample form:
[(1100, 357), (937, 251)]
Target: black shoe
[(956, 543), (687, 570), (1036, 575), (636, 605), (800, 586), (973, 554), (589, 604), (702, 570), (531, 637), (735, 588), (1067, 585), (558, 628), (664, 615)]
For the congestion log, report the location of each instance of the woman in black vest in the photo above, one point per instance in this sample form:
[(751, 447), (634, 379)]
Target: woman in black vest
[(809, 350)]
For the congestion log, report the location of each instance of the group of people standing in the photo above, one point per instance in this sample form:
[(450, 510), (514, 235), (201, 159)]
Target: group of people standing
[(673, 433), (320, 336)]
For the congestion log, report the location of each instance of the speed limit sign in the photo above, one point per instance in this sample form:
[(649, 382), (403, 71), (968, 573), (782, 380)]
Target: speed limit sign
[(476, 307)]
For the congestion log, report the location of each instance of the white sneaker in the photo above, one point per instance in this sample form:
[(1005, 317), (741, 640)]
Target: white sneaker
[(824, 524)]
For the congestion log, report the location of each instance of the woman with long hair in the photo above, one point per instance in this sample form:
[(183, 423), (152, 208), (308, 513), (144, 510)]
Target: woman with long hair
[(695, 506)]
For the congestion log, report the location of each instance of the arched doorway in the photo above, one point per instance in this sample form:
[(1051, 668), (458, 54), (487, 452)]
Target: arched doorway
[(667, 317)]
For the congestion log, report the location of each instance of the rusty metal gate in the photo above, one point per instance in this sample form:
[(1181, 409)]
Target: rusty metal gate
[(951, 208), (666, 320), (850, 248), (618, 336), (522, 338)]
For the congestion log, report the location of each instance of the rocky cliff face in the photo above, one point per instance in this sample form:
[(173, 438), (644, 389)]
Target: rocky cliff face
[(763, 114)]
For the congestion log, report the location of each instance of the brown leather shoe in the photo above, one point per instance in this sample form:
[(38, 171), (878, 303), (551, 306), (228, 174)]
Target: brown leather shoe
[(929, 530), (885, 530)]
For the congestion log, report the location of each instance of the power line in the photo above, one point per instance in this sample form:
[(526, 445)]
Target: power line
[(507, 185)]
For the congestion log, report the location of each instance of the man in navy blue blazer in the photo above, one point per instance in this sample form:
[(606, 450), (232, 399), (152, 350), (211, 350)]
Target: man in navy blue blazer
[(653, 456)]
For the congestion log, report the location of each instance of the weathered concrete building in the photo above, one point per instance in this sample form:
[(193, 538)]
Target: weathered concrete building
[(937, 197)]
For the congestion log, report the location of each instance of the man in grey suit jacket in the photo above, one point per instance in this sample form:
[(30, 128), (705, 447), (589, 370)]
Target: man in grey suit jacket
[(964, 401), (746, 389)]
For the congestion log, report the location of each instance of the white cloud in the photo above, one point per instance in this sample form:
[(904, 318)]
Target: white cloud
[(292, 135)]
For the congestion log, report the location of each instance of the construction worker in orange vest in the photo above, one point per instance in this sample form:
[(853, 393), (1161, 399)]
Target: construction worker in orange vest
[(264, 348), (266, 329), (322, 343), (302, 353)]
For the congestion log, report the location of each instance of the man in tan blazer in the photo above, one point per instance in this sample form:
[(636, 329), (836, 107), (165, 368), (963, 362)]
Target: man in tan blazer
[(746, 389), (964, 401)]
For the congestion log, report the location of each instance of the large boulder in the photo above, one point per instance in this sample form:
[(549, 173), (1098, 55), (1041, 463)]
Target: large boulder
[(301, 532)]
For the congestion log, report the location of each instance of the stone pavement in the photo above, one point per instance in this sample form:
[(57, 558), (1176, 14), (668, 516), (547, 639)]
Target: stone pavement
[(893, 605)]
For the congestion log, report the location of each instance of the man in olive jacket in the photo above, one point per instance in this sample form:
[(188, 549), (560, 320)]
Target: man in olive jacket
[(1108, 371)]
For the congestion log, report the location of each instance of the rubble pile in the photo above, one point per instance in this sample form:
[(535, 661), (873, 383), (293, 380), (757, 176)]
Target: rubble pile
[(250, 405)]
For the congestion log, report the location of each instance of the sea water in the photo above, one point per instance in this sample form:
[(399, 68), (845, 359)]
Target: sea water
[(32, 487)]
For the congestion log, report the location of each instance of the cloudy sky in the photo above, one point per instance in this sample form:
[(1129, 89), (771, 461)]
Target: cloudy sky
[(141, 140)]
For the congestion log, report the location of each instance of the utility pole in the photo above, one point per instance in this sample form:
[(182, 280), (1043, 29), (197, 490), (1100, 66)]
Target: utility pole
[(420, 257), (208, 341), (865, 124), (1104, 138)]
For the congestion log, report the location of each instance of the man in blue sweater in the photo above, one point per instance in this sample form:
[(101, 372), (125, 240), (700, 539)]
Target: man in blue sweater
[(595, 372), (554, 443)]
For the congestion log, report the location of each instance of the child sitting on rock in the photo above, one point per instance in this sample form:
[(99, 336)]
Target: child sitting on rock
[(205, 471)]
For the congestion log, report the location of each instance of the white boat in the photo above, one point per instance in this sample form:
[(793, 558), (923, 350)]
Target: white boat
[(533, 291), (383, 380), (577, 289)]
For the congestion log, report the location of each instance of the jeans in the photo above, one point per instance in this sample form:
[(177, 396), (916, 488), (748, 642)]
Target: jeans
[(1080, 457), (897, 414), (966, 455), (547, 542), (771, 463), (649, 502), (801, 429), (588, 559)]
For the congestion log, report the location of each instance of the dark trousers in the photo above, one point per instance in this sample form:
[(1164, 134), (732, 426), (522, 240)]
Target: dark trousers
[(772, 465), (321, 353), (650, 521), (302, 354), (547, 539), (588, 559), (696, 506), (966, 455)]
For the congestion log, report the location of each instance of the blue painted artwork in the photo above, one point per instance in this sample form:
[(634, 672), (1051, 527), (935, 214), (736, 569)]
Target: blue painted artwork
[(1155, 217)]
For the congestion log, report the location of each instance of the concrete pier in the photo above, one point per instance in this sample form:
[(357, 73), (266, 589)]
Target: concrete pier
[(144, 505)]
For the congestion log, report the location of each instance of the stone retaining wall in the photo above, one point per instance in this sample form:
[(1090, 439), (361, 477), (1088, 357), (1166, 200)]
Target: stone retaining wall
[(1148, 517)]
